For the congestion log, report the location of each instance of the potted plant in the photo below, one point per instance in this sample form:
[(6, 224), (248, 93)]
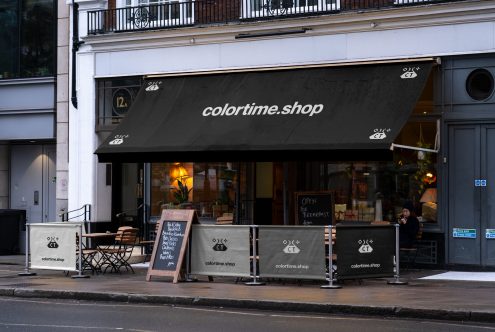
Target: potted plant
[(181, 193)]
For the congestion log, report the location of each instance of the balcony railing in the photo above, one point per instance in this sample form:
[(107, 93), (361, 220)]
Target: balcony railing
[(202, 12)]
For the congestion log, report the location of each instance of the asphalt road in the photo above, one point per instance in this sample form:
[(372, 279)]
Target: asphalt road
[(56, 315)]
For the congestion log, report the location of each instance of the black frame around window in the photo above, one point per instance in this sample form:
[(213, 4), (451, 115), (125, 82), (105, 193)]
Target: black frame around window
[(114, 97), (28, 38)]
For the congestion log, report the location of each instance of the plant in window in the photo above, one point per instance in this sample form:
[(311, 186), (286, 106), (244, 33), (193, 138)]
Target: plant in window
[(181, 193)]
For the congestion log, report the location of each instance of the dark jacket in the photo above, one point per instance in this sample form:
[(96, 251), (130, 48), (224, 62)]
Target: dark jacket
[(408, 232)]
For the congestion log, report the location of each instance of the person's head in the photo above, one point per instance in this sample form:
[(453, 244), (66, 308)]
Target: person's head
[(406, 213), (407, 209)]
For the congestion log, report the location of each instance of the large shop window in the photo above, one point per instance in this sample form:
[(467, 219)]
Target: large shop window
[(216, 190)]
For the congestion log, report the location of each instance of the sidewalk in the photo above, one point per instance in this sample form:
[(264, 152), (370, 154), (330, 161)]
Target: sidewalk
[(430, 299)]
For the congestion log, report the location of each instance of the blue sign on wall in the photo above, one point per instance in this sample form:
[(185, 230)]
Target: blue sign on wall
[(467, 233), (489, 233)]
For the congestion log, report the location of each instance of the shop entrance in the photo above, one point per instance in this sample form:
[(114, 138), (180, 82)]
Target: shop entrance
[(471, 193), (127, 199)]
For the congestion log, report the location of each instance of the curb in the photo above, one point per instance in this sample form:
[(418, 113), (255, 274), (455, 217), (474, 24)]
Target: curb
[(340, 309)]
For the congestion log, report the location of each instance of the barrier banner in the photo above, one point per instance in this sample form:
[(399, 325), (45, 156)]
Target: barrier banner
[(53, 246), (365, 251), (292, 252), (220, 250)]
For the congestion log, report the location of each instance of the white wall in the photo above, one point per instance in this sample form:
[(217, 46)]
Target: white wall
[(360, 46)]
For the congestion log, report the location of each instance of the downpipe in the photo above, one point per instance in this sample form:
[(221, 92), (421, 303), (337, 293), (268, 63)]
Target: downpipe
[(75, 47)]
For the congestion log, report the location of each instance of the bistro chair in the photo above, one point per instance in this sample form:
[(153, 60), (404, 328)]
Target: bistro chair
[(117, 256), (149, 244)]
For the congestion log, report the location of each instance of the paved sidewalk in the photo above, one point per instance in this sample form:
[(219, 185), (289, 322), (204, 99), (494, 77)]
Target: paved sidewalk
[(431, 299)]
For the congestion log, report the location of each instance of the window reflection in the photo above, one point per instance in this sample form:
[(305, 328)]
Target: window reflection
[(27, 38), (209, 188)]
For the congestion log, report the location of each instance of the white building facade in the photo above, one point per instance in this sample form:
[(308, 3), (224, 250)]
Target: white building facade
[(458, 37)]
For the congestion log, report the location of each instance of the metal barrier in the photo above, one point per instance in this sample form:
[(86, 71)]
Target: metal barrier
[(371, 253), (54, 248)]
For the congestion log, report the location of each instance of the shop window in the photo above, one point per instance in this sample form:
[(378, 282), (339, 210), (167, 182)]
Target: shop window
[(479, 84), (114, 98), (209, 188), (376, 190)]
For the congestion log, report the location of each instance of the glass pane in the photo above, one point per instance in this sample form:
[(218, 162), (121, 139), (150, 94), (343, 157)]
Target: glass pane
[(37, 38), (9, 41), (209, 188)]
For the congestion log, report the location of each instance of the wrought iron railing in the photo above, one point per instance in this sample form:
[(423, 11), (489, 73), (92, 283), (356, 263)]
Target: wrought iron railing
[(84, 212), (201, 12)]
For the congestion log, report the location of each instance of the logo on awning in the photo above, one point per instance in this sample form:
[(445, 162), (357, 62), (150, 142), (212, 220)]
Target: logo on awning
[(118, 139), (379, 133), (409, 72), (153, 86)]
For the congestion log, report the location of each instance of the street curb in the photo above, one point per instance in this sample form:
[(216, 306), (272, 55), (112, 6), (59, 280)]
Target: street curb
[(317, 308)]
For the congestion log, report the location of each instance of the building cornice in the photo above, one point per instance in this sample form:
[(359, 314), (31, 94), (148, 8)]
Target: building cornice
[(431, 15)]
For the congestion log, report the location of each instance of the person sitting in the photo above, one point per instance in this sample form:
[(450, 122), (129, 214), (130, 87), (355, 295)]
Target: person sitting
[(409, 226)]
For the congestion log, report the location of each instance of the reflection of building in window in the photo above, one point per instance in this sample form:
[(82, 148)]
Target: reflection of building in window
[(211, 187)]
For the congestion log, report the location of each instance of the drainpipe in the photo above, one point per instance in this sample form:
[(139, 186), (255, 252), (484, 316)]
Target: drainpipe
[(75, 47)]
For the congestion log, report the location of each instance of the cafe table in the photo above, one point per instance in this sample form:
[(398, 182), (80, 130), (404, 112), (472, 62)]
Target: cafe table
[(92, 257)]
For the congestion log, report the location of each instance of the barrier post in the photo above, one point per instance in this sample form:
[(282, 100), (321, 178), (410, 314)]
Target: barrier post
[(330, 262), (188, 263), (396, 280), (26, 272), (255, 281), (80, 275)]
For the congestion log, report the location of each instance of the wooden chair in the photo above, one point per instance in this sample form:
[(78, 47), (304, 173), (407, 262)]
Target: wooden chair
[(148, 244), (225, 219), (117, 256)]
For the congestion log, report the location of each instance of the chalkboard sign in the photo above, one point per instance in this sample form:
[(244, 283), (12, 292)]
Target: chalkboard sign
[(170, 243), (314, 208)]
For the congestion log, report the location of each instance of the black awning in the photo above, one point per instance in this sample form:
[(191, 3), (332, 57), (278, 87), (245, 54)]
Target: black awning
[(268, 114)]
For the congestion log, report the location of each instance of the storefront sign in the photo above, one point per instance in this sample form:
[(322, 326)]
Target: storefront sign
[(122, 100), (314, 208), (170, 243), (53, 246), (365, 251), (467, 233), (490, 233), (292, 252), (220, 250)]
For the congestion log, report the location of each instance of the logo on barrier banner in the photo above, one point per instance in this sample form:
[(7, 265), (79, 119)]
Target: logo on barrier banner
[(290, 246), (365, 246), (52, 242), (220, 244)]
